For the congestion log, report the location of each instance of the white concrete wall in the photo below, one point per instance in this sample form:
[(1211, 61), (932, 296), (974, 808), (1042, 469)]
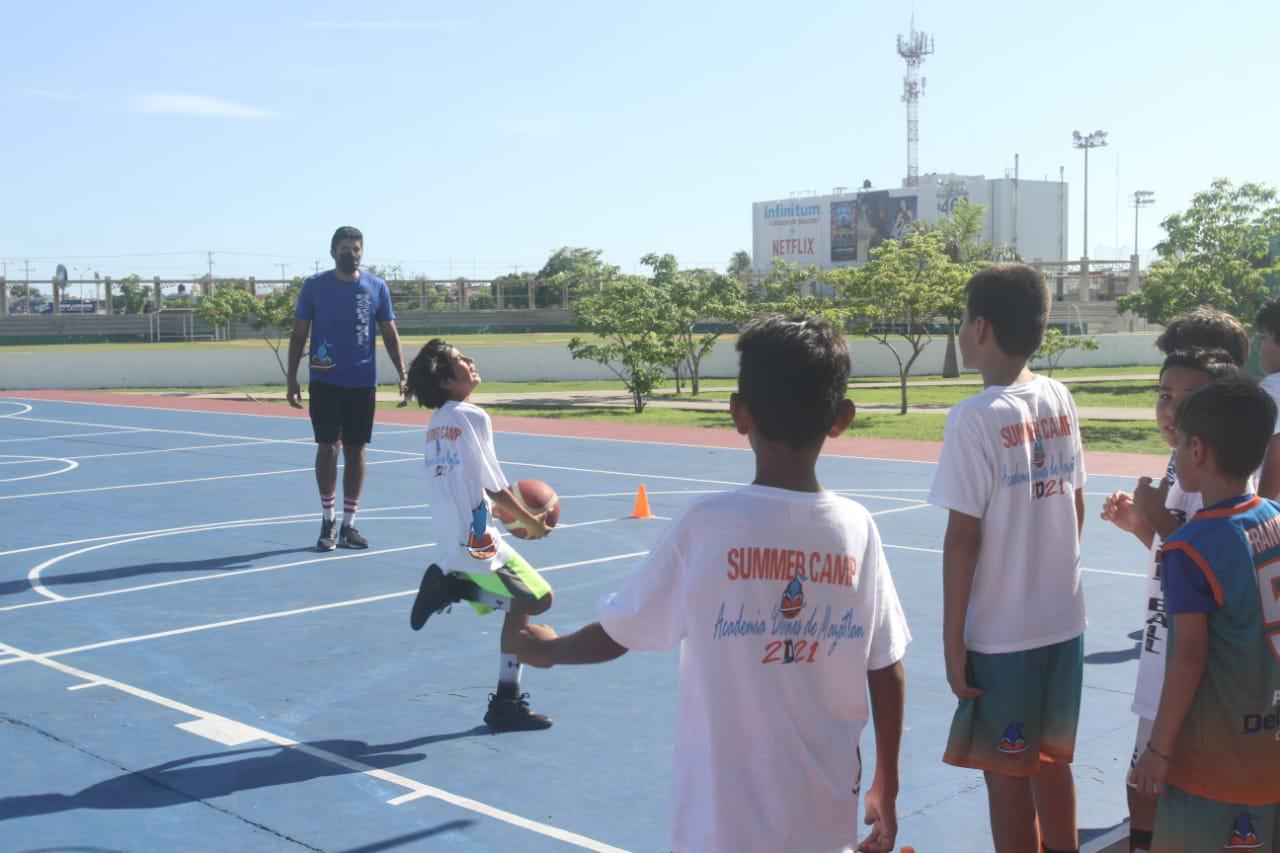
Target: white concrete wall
[(199, 368)]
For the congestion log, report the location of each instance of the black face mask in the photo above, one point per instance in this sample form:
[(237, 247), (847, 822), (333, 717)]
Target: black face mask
[(347, 262)]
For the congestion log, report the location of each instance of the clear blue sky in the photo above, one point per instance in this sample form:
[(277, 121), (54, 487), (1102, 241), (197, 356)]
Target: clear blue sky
[(477, 138)]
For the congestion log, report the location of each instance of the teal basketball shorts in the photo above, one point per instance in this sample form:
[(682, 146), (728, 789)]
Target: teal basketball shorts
[(1188, 824), (1027, 713)]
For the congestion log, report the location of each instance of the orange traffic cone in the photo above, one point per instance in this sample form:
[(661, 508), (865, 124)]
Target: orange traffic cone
[(642, 504)]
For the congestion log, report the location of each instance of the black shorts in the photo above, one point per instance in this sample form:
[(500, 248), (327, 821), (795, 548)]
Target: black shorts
[(341, 414)]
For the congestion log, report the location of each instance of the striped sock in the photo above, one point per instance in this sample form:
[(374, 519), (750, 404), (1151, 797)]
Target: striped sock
[(326, 506), (349, 510)]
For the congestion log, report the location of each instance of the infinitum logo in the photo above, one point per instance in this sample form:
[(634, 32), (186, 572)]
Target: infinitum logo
[(791, 211)]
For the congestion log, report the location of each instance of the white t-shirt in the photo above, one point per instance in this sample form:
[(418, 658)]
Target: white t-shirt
[(1011, 456), (460, 463), (1155, 628), (783, 601), (1271, 384)]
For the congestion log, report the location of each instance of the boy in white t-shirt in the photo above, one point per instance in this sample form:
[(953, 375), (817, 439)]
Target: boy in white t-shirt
[(1012, 477), (1267, 323), (1151, 514), (475, 563), (782, 601)]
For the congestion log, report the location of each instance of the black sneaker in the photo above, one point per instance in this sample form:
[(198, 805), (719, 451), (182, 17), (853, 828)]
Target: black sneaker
[(514, 715), (436, 593), (326, 542), (349, 537)]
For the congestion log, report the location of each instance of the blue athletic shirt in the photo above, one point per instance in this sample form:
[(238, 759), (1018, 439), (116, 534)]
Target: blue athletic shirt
[(344, 319), (1225, 563)]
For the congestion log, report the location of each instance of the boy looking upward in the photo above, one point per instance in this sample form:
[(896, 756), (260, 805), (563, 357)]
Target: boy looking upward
[(1011, 477), (463, 480)]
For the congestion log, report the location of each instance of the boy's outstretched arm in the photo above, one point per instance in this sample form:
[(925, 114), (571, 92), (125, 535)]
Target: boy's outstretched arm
[(888, 690), (959, 561), (590, 644), (1182, 675)]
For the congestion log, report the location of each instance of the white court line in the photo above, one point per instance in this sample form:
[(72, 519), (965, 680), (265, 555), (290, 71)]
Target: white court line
[(33, 576), (58, 437), (250, 443), (203, 524), (29, 460), (412, 785), (304, 439), (310, 469), (54, 598), (22, 411), (1102, 842), (279, 614), (1082, 568)]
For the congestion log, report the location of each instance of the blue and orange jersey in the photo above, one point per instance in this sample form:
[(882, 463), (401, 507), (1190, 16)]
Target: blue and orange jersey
[(1225, 563)]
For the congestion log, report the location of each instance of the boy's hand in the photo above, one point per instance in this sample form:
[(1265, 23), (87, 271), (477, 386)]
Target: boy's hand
[(882, 816), (1149, 774), (404, 392), (1149, 500), (1120, 511), (539, 528), (956, 676), (533, 645), (294, 393)]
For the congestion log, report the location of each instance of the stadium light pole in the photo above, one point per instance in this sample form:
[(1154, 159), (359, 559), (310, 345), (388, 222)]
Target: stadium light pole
[(1141, 199), (1097, 139)]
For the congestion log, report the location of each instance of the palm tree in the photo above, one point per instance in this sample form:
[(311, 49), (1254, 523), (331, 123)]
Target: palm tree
[(740, 265)]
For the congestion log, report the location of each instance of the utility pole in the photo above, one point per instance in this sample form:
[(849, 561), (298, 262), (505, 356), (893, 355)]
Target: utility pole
[(26, 283), (284, 281), (208, 288)]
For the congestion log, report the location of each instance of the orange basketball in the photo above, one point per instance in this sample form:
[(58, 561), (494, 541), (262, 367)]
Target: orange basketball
[(535, 496)]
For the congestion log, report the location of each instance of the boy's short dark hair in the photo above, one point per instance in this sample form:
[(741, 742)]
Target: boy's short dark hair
[(793, 375), (1206, 326), (1211, 360), (1234, 418), (1013, 298), (346, 232), (1268, 318), (431, 366)]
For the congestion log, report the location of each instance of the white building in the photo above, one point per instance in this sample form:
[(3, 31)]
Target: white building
[(839, 229)]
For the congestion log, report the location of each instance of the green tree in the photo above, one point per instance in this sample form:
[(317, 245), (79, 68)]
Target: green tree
[(630, 316), (897, 295), (575, 271), (694, 297), (131, 296), (228, 303), (1056, 344), (961, 233), (515, 290), (788, 289), (1216, 252), (272, 317)]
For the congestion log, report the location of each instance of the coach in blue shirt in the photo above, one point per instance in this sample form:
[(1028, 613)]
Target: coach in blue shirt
[(339, 310)]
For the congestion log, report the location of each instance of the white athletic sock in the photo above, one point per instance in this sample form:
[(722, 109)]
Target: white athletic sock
[(349, 506), (326, 506), (509, 672)]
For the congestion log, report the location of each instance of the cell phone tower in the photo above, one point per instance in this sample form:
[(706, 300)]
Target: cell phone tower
[(913, 48)]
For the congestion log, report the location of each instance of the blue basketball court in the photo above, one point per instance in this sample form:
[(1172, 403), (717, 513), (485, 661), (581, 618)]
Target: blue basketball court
[(180, 669)]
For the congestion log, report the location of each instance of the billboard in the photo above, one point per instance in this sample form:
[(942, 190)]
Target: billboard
[(790, 230), (844, 231)]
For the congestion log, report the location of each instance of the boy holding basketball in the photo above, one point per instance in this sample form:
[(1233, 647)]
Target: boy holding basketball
[(1011, 476), (782, 600), (475, 563)]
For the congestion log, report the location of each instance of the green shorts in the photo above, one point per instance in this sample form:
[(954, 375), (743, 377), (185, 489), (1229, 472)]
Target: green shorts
[(515, 579), (1027, 713), (1188, 824)]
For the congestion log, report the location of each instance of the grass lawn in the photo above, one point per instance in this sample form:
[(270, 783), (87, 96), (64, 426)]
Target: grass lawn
[(1122, 436)]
